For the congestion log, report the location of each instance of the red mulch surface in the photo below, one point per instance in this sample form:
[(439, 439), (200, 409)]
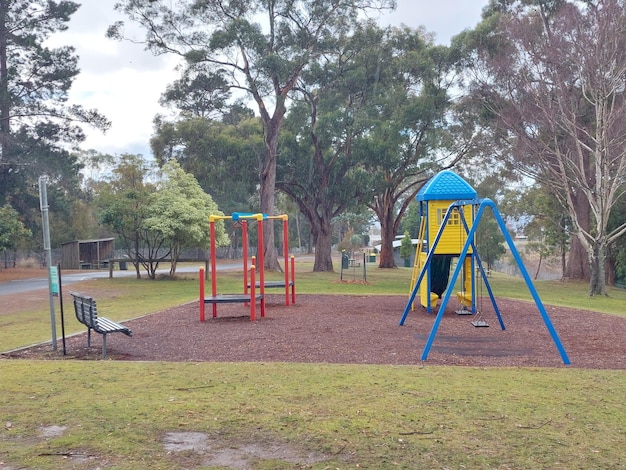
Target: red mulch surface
[(359, 330)]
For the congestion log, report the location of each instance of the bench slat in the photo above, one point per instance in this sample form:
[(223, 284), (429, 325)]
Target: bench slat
[(109, 326)]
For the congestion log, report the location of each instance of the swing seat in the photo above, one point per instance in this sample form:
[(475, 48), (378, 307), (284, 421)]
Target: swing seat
[(480, 323), (463, 311)]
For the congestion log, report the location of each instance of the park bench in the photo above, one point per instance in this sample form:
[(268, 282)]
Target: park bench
[(87, 314)]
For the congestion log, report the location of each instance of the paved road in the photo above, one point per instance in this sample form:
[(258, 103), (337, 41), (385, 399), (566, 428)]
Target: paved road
[(19, 286), (27, 285)]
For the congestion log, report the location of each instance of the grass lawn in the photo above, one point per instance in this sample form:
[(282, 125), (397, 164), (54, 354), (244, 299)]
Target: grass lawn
[(129, 415)]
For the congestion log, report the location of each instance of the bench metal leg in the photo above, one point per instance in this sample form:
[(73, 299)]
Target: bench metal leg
[(88, 337), (104, 346)]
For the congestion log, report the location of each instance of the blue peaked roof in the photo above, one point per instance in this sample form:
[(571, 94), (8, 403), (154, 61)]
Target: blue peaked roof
[(446, 186)]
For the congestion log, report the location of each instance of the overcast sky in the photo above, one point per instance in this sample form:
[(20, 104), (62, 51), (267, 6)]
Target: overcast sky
[(124, 82)]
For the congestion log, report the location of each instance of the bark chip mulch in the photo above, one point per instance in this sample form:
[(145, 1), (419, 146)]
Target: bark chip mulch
[(359, 330)]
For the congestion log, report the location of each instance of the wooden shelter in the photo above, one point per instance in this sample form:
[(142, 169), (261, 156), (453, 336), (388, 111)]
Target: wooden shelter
[(87, 254)]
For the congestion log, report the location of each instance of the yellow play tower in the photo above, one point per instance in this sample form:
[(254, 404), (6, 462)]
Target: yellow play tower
[(435, 199)]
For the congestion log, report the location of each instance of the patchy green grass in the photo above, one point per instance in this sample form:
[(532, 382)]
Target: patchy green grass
[(562, 293), (118, 413)]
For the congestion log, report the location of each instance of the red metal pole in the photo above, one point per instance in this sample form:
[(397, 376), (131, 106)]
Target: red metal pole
[(201, 279), (213, 267), (286, 256), (252, 293), (293, 280)]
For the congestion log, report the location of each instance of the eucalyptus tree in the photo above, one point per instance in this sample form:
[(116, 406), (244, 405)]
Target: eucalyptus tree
[(258, 47), (319, 168), (371, 123), (37, 125), (409, 144), (553, 73)]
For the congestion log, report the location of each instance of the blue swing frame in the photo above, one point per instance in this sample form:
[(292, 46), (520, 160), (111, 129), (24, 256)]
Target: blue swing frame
[(482, 204)]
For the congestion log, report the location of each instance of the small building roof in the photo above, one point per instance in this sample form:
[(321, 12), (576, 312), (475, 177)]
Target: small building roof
[(446, 186), (93, 240)]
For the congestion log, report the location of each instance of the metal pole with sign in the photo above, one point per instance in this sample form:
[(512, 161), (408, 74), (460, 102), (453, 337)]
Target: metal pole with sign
[(43, 203)]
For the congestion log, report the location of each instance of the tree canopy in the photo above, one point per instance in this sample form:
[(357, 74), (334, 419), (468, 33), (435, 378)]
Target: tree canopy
[(223, 156), (258, 47), (553, 73), (37, 125), (180, 210), (12, 230), (156, 216), (365, 131)]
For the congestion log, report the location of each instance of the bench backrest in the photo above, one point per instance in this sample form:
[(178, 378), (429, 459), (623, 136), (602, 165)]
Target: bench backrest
[(85, 309)]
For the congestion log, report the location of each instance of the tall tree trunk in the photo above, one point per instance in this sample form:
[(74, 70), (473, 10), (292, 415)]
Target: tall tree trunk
[(321, 232), (268, 190), (538, 266), (299, 235), (268, 184), (597, 259), (389, 223), (387, 236), (563, 253), (136, 255), (610, 270), (323, 246), (578, 259)]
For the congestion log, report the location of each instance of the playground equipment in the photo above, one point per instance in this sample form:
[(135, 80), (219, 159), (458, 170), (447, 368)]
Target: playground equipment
[(250, 284), (456, 226)]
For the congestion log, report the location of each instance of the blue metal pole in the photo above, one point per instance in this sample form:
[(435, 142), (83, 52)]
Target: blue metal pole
[(531, 287)]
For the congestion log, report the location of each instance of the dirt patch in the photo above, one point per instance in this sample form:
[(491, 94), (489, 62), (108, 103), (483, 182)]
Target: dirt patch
[(219, 452), (49, 432), (360, 330)]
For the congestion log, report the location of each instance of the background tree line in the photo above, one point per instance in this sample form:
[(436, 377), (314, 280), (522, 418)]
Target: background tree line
[(314, 100)]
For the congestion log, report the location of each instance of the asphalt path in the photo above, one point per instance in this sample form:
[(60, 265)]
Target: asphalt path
[(20, 286)]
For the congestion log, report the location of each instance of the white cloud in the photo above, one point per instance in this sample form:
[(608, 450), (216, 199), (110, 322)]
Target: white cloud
[(129, 97), (124, 82)]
